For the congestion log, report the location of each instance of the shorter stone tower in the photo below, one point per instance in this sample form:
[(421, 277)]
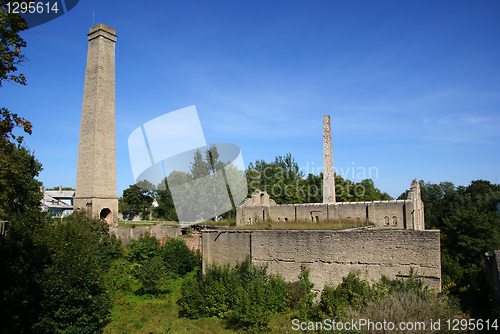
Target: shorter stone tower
[(96, 171), (328, 171), (417, 211)]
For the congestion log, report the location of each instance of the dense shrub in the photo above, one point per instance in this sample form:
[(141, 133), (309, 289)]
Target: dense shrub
[(179, 259), (153, 264), (52, 275), (408, 307), (352, 292), (245, 295), (301, 297), (144, 248), (391, 300), (153, 275)]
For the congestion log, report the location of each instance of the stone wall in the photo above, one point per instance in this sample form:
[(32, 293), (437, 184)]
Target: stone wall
[(330, 255), (127, 233), (396, 214)]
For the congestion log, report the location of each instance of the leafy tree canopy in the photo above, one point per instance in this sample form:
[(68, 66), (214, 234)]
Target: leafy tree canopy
[(10, 45), (19, 190), (468, 219), (286, 183)]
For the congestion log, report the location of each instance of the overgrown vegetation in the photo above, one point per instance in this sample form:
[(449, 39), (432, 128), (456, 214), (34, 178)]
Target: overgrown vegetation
[(73, 276), (248, 299), (468, 220), (397, 300), (282, 179), (285, 183), (246, 295), (338, 224), (52, 274)]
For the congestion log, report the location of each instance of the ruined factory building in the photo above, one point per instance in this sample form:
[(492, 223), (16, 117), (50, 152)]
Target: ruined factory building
[(394, 244)]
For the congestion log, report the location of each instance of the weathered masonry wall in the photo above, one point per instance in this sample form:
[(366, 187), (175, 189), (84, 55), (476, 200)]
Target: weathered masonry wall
[(330, 255), (127, 233), (397, 214)]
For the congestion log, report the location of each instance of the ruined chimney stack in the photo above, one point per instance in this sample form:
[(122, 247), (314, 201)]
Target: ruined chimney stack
[(328, 172)]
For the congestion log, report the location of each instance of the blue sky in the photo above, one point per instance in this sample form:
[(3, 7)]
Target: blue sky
[(412, 87)]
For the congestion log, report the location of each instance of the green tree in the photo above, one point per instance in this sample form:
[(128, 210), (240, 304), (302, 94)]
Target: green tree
[(199, 167), (10, 45), (50, 271), (178, 258), (19, 191), (165, 208), (203, 187), (144, 248), (281, 179), (468, 220), (23, 257), (74, 298), (285, 183), (246, 295), (138, 199), (52, 274)]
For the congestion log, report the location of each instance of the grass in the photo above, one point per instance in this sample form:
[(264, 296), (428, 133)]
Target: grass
[(340, 224), (133, 314), (304, 225), (222, 222), (147, 222), (143, 314), (136, 314), (407, 307)]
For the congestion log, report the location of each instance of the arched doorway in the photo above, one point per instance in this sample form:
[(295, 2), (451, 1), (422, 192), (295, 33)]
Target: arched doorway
[(106, 215)]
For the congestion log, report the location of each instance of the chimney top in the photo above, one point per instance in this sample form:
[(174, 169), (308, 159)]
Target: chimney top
[(102, 30)]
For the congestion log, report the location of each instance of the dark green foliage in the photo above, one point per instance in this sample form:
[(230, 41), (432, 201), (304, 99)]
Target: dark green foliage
[(205, 163), (365, 190), (468, 220), (245, 295), (410, 284), (165, 208), (52, 275), (137, 198), (301, 297), (120, 277), (10, 45), (144, 248), (74, 297), (23, 256), (178, 258), (153, 276), (285, 183), (351, 292), (147, 265), (19, 191), (154, 264), (281, 179), (193, 298)]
